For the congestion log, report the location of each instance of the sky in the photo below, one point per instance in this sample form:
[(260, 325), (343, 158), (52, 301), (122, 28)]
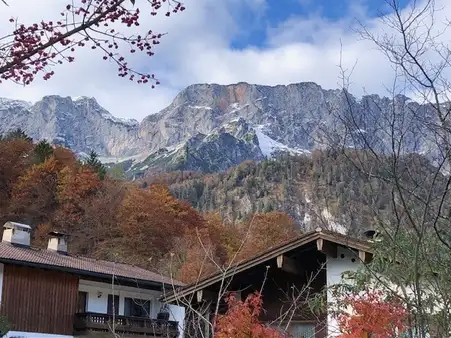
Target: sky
[(266, 42)]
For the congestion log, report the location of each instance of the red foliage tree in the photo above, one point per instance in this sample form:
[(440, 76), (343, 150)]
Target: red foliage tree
[(241, 319), (96, 24), (372, 314)]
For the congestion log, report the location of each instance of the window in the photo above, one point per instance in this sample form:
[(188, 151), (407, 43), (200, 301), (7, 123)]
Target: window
[(134, 307), (301, 330), (113, 304), (82, 302)]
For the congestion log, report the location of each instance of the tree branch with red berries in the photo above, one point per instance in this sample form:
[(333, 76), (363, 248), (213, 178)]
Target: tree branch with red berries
[(101, 25)]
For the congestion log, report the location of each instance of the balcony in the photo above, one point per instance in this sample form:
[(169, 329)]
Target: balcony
[(127, 326)]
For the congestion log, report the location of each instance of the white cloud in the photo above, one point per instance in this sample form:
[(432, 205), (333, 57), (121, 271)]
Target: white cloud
[(197, 50)]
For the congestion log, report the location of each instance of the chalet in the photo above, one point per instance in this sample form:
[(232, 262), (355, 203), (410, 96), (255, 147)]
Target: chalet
[(48, 293), (287, 275)]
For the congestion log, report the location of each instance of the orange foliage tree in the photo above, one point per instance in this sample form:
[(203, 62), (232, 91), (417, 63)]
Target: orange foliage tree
[(14, 160), (194, 256), (241, 319), (372, 314), (33, 198), (265, 230), (151, 219), (74, 186), (217, 243)]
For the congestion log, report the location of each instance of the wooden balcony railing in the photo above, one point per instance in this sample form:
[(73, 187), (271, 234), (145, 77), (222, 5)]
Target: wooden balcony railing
[(89, 322)]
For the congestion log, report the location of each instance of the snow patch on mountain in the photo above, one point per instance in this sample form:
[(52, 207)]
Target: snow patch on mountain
[(201, 107), (269, 146), (128, 122), (134, 158)]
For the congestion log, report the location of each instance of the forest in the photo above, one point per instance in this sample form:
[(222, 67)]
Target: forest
[(187, 224), (48, 188)]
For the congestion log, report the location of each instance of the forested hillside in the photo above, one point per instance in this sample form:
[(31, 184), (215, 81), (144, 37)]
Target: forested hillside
[(48, 188), (323, 189), (184, 222)]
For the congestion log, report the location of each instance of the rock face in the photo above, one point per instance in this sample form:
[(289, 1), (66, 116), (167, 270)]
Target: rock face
[(224, 147), (80, 124), (212, 127)]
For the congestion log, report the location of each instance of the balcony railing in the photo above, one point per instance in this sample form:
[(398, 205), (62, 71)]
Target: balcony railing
[(89, 322)]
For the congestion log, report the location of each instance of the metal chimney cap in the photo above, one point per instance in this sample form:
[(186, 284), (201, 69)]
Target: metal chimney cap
[(57, 234)]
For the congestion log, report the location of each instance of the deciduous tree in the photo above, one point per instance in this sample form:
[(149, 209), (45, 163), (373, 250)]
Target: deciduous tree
[(33, 198), (14, 160), (75, 185), (372, 314), (151, 219), (265, 230), (241, 319), (104, 26)]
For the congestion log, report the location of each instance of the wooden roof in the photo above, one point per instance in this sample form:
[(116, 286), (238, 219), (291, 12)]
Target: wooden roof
[(83, 266), (323, 239)]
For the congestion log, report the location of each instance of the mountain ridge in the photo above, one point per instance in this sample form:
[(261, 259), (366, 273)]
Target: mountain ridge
[(294, 118)]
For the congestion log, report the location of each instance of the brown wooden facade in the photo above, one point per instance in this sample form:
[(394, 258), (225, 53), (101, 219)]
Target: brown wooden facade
[(37, 300), (279, 285)]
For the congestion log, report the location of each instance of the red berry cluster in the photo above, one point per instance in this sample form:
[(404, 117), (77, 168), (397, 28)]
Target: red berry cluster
[(34, 49)]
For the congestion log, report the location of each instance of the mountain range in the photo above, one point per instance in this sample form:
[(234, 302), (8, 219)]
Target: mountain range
[(209, 127)]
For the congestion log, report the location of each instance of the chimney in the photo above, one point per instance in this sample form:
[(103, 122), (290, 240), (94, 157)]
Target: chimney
[(372, 235), (16, 233), (57, 242)]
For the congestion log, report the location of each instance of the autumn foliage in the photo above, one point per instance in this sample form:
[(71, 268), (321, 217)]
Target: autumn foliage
[(109, 27), (50, 189), (374, 315), (241, 319)]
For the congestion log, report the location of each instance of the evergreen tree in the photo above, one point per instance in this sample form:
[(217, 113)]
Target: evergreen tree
[(18, 134), (94, 162), (42, 151), (117, 172)]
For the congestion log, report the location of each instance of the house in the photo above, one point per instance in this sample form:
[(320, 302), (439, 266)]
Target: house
[(49, 293), (288, 275)]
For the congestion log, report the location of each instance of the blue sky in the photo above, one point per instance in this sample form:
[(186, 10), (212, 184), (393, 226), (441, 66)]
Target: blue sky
[(266, 42), (276, 12)]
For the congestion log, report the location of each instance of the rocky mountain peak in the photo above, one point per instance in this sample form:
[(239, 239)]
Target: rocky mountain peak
[(240, 121)]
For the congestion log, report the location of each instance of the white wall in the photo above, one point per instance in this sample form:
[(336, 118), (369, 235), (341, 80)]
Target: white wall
[(334, 270), (100, 304), (98, 296)]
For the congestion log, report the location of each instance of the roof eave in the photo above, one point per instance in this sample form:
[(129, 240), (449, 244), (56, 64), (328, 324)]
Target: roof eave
[(140, 282), (265, 256)]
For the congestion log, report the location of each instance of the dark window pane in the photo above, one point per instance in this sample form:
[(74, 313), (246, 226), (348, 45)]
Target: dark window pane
[(113, 303), (137, 307), (82, 302)]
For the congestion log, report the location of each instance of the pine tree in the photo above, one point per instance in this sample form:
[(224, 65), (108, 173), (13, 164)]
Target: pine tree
[(42, 151), (94, 162), (18, 134)]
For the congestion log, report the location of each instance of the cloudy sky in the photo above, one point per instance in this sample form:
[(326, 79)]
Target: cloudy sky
[(221, 41)]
